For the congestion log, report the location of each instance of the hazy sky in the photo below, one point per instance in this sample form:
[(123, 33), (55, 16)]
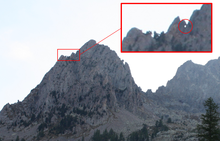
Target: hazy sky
[(31, 32)]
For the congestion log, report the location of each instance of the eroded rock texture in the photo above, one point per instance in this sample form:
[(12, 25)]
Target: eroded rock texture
[(199, 39)]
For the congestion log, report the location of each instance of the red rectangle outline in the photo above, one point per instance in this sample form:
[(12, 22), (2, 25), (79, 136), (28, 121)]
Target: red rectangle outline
[(167, 51), (68, 49)]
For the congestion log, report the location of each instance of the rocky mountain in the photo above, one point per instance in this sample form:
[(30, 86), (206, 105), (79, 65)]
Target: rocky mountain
[(199, 39), (190, 87), (75, 98)]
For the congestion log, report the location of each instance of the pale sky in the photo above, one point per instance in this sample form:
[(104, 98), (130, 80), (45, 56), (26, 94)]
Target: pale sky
[(32, 31)]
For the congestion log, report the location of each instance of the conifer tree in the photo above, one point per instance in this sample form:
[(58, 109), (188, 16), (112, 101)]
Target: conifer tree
[(121, 137), (209, 130), (17, 139)]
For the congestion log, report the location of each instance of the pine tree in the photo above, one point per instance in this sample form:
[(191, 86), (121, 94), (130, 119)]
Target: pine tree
[(160, 123), (121, 137), (209, 129), (169, 120), (96, 136), (17, 139)]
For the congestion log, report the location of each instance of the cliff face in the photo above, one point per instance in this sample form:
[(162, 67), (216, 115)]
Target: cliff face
[(199, 39), (190, 87), (76, 97)]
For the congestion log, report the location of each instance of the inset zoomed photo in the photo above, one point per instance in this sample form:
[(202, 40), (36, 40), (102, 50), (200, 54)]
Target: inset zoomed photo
[(143, 27)]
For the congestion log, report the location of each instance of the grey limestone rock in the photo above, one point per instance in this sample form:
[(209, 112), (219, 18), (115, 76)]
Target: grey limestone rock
[(190, 87), (91, 92), (198, 37), (137, 41)]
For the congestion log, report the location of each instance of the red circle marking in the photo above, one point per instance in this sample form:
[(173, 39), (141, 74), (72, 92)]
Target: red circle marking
[(182, 31)]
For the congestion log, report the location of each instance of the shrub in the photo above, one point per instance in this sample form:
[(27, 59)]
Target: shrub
[(178, 47), (33, 117), (140, 135), (67, 123), (42, 126), (169, 120), (40, 134)]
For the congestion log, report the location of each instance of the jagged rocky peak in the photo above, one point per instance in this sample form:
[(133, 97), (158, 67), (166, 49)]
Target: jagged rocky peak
[(198, 37), (75, 56), (133, 32), (87, 45), (137, 40), (173, 27), (191, 86), (187, 65), (86, 93)]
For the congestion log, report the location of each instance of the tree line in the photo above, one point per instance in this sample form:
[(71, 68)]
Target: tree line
[(208, 130)]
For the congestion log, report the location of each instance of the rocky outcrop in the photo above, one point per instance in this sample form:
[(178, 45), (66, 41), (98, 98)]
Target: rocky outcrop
[(190, 87), (77, 97), (199, 39), (137, 41)]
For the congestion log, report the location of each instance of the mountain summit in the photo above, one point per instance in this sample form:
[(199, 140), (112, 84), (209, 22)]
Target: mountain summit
[(190, 87), (199, 39), (76, 97)]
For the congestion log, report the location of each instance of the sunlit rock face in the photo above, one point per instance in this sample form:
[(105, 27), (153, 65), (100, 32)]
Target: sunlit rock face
[(181, 36), (190, 87), (94, 93)]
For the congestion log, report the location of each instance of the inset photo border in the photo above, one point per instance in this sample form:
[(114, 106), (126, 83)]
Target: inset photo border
[(127, 44)]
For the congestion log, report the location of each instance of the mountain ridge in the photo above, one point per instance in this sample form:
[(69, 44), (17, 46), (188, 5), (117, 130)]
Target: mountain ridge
[(192, 84), (198, 37), (75, 99), (90, 92)]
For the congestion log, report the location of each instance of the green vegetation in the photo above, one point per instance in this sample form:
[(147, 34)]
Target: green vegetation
[(33, 117), (107, 136), (169, 120), (79, 111), (17, 139), (48, 119), (178, 47), (62, 110), (42, 126), (66, 123), (22, 122), (140, 135), (148, 32), (159, 126), (160, 40), (40, 134), (156, 35), (209, 129), (54, 94)]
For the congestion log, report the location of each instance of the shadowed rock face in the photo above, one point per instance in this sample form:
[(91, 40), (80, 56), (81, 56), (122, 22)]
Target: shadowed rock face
[(190, 87), (90, 92), (199, 39), (98, 92)]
